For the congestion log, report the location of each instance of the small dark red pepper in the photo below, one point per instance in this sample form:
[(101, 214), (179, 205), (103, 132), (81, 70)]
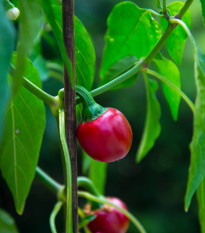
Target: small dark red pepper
[(109, 219), (104, 134)]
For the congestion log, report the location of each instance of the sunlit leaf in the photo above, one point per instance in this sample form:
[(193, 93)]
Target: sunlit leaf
[(7, 37), (177, 39), (152, 125), (197, 165), (7, 224), (171, 72), (20, 147), (158, 4), (132, 31)]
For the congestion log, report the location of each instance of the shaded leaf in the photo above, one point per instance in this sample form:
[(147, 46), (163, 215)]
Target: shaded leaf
[(20, 147), (131, 32), (98, 174), (119, 68), (84, 51), (31, 22), (158, 4), (197, 146), (203, 8), (171, 72), (177, 39), (7, 224), (86, 220), (6, 46), (152, 125), (201, 204), (54, 18), (84, 56)]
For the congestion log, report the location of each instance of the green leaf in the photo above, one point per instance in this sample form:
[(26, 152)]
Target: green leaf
[(7, 224), (31, 22), (54, 18), (197, 146), (177, 39), (171, 72), (85, 221), (158, 4), (131, 32), (7, 37), (20, 147), (203, 8), (201, 204), (98, 174), (152, 126), (40, 64), (84, 56), (119, 68), (84, 50)]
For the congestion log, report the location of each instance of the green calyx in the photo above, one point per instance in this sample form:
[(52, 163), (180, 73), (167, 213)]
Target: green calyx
[(91, 110)]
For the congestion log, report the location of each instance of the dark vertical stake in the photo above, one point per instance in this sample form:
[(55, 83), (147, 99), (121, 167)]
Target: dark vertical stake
[(69, 99)]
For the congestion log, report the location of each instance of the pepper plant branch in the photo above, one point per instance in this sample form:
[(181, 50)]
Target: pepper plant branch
[(164, 6), (184, 9), (48, 181), (70, 103), (103, 200), (143, 63), (38, 92), (164, 80)]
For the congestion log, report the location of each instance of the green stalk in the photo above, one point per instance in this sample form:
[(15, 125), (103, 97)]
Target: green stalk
[(53, 102), (67, 172), (182, 94), (186, 29), (134, 220), (53, 215), (49, 182), (184, 9), (164, 6)]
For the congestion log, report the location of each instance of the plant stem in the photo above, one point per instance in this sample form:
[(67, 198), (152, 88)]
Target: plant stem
[(184, 96), (134, 220), (38, 92), (164, 6), (88, 185), (70, 103), (184, 9), (67, 172), (53, 215), (49, 182), (186, 29), (142, 63), (123, 77)]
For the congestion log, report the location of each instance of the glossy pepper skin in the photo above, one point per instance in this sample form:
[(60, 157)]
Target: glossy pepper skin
[(107, 138), (110, 220)]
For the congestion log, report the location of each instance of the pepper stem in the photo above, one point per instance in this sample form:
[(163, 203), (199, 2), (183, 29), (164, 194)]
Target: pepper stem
[(91, 110)]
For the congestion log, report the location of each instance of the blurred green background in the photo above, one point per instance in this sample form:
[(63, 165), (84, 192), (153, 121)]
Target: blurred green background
[(154, 189)]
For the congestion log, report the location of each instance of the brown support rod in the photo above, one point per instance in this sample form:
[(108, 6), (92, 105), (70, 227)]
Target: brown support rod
[(69, 100)]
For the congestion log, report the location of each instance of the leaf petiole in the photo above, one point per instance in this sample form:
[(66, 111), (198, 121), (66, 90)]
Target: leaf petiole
[(182, 94)]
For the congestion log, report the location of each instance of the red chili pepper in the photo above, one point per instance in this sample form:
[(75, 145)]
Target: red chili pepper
[(105, 134), (108, 219)]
